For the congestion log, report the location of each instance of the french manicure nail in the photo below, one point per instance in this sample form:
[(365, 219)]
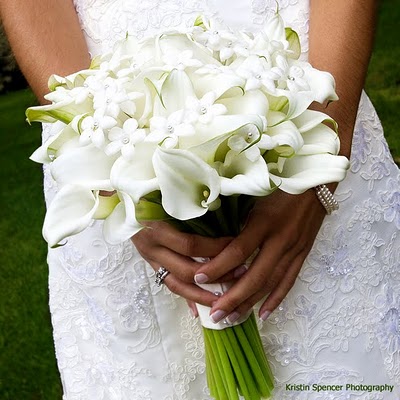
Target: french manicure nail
[(239, 271), (265, 315), (232, 317), (216, 316), (201, 278)]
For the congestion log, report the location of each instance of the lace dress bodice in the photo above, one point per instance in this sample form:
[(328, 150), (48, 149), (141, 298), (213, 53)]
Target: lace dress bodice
[(118, 336)]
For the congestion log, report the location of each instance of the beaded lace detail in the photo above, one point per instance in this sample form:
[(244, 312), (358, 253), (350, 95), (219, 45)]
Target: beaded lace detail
[(118, 336)]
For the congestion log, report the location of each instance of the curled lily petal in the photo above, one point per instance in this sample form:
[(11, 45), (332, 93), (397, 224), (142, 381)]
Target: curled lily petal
[(189, 186), (69, 213), (242, 176), (121, 224), (135, 176), (320, 139), (297, 174), (85, 166)]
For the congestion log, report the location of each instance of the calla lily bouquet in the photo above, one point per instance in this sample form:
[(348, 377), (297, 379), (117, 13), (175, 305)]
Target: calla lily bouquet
[(189, 127)]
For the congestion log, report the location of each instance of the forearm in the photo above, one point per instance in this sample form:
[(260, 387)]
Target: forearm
[(341, 39), (46, 39)]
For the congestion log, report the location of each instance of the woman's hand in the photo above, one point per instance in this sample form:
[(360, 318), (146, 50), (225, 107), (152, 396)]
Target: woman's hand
[(162, 245), (283, 227)]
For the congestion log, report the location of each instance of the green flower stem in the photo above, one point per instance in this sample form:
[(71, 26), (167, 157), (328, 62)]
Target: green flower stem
[(246, 344), (251, 331), (246, 366), (217, 377), (227, 368), (239, 365), (210, 377)]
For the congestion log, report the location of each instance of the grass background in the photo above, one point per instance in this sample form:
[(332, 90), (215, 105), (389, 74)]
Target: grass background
[(28, 369)]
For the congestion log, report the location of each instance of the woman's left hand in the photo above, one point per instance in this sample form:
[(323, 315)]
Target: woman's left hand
[(283, 227)]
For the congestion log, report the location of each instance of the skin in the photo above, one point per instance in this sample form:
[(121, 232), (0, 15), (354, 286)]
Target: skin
[(46, 38)]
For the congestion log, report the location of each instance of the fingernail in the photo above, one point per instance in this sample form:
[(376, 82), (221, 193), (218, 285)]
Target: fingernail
[(201, 278), (239, 271), (216, 316), (218, 294), (265, 315), (232, 317)]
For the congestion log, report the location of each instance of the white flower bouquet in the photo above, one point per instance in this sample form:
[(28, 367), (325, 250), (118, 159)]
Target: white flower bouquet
[(190, 127)]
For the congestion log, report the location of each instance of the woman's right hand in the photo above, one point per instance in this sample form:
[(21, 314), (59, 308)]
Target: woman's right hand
[(160, 244)]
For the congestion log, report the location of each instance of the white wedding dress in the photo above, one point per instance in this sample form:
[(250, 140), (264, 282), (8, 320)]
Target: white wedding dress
[(120, 337)]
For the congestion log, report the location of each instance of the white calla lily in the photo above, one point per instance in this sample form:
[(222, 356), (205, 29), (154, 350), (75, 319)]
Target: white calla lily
[(174, 92), (286, 137), (239, 175), (218, 127), (297, 174), (135, 176), (121, 224), (69, 213), (64, 111), (253, 102), (59, 135), (309, 119), (322, 85), (85, 166), (189, 186), (216, 79)]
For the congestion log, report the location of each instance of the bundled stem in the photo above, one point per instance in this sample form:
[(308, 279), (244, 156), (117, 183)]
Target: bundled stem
[(236, 363)]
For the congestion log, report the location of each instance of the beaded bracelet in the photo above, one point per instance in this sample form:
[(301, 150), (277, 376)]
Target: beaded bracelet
[(326, 198)]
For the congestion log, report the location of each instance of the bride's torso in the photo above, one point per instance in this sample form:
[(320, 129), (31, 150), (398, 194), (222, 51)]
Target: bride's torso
[(105, 21)]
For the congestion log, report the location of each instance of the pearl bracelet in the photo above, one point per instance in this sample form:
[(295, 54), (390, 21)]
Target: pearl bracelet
[(326, 198)]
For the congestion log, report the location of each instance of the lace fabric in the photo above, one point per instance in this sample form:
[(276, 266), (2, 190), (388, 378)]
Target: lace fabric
[(118, 336)]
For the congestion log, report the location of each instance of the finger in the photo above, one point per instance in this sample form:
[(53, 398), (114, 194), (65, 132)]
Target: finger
[(193, 308), (233, 255), (265, 278), (252, 282), (282, 289), (187, 244), (188, 291), (184, 268)]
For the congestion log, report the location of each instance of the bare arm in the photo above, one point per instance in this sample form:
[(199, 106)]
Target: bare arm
[(341, 39), (46, 38)]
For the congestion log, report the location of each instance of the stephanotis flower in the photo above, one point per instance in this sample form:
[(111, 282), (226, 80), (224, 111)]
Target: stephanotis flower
[(257, 74), (180, 60), (289, 76), (169, 130), (205, 109), (124, 139), (94, 128)]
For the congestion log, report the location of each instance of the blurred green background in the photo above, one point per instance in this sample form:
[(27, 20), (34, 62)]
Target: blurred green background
[(28, 368)]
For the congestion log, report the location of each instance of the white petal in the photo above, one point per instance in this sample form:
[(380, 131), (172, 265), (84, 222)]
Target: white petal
[(86, 166), (242, 176), (286, 134), (322, 85), (69, 213), (320, 139), (218, 127), (121, 224), (183, 178), (175, 90), (135, 176), (309, 119), (301, 173), (253, 102)]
